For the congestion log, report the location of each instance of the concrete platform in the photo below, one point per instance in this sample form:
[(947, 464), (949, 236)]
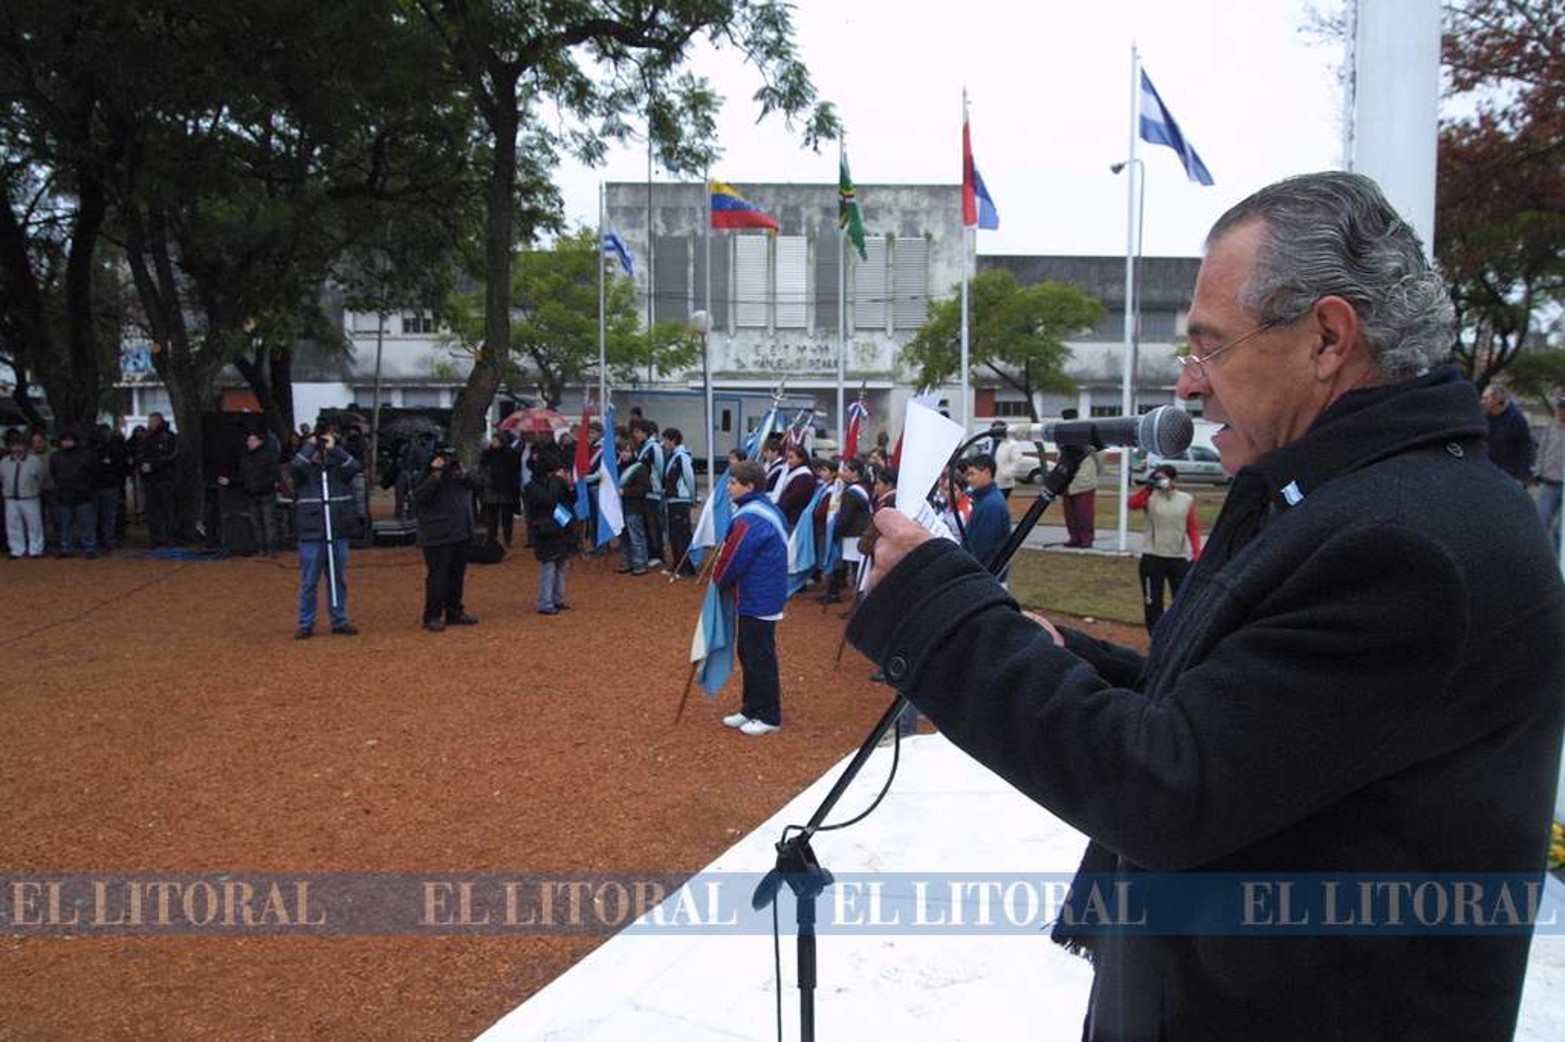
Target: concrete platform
[(944, 814)]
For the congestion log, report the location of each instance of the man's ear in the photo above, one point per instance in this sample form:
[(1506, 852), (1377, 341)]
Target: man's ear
[(1339, 335)]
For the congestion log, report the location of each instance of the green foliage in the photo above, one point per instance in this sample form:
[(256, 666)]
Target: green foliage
[(554, 322), (1016, 332), (581, 75), (1538, 374), (1500, 221)]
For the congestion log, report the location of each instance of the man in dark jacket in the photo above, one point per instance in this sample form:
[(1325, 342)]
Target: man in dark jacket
[(158, 461), (1510, 439), (323, 516), (258, 480), (443, 503), (1362, 674), (73, 471), (108, 482)]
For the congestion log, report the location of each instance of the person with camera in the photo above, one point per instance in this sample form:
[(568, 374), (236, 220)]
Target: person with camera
[(1171, 540), (443, 506), (323, 515)]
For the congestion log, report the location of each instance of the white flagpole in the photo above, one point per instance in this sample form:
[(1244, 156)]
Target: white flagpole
[(603, 368), (706, 337), (842, 281), (1126, 404), (967, 236)]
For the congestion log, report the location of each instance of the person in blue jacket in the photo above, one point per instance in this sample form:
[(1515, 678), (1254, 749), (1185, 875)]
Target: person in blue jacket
[(990, 524), (754, 563)]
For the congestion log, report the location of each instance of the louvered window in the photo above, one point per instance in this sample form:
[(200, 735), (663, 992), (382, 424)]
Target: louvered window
[(792, 281), (869, 285), (752, 289), (911, 285)]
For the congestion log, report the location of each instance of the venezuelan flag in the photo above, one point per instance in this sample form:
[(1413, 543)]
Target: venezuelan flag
[(730, 210)]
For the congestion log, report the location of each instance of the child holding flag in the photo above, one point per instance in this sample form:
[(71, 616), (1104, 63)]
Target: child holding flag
[(754, 564)]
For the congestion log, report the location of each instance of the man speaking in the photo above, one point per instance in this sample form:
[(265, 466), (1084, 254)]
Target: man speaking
[(1362, 674)]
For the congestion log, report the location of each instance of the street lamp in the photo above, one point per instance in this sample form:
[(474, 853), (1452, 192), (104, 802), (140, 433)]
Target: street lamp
[(701, 322)]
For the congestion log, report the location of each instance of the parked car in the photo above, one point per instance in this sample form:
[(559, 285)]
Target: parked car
[(1198, 463)]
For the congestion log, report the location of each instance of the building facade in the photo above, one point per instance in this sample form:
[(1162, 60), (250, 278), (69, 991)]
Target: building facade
[(784, 307)]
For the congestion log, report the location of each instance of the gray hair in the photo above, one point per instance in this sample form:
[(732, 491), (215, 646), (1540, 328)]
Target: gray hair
[(1334, 234)]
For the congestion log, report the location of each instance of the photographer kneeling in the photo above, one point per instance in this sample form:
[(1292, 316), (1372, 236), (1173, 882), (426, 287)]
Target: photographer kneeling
[(444, 507)]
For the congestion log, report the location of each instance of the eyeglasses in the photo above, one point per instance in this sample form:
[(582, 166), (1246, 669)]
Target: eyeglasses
[(1196, 365)]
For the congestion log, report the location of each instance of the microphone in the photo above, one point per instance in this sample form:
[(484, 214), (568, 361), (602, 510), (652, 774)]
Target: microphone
[(1165, 431)]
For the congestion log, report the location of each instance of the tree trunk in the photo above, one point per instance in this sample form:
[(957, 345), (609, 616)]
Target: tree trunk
[(282, 389), (467, 418), (77, 402), (258, 373)]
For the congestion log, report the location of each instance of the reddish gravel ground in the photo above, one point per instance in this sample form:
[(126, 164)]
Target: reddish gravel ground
[(158, 718)]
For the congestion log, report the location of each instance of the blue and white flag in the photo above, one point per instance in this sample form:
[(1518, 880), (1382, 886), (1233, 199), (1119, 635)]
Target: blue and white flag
[(713, 643), (614, 246), (802, 559), (611, 511), (1158, 127)]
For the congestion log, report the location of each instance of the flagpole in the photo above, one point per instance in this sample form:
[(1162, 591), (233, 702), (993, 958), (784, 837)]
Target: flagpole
[(966, 418), (842, 282), (603, 373), (706, 337), (1126, 404)]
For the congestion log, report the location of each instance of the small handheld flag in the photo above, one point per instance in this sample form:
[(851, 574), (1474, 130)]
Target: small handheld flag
[(1159, 128)]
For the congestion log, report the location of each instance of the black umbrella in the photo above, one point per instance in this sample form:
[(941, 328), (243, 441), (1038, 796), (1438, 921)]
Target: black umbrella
[(409, 427)]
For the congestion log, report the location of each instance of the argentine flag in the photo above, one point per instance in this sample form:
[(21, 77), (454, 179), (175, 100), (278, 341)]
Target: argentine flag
[(611, 512), (1158, 127)]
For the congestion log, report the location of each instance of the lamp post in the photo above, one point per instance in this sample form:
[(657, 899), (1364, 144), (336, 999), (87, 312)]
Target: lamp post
[(701, 322)]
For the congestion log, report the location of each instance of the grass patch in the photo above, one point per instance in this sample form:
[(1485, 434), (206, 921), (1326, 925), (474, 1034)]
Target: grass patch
[(1078, 584)]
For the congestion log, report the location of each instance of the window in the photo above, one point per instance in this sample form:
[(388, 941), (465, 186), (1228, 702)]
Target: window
[(870, 285), (1013, 407), (752, 288), (1157, 325), (671, 272), (792, 281), (416, 323), (1104, 410), (726, 422), (426, 397), (911, 304)]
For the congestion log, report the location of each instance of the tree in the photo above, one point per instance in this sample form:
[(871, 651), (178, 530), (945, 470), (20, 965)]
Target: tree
[(1500, 220), (260, 156), (591, 63), (59, 71), (1018, 333), (554, 328)]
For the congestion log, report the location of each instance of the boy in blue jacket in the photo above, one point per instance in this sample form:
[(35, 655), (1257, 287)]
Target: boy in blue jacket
[(754, 561)]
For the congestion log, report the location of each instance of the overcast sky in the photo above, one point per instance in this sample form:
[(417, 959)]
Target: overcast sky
[(1049, 84)]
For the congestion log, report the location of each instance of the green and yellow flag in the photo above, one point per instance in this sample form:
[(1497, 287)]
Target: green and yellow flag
[(848, 208)]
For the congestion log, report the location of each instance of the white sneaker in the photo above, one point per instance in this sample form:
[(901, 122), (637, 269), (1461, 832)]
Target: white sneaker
[(755, 727), (654, 562), (735, 720)]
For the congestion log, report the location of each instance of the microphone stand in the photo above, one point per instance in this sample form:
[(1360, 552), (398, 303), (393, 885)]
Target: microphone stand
[(797, 866)]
